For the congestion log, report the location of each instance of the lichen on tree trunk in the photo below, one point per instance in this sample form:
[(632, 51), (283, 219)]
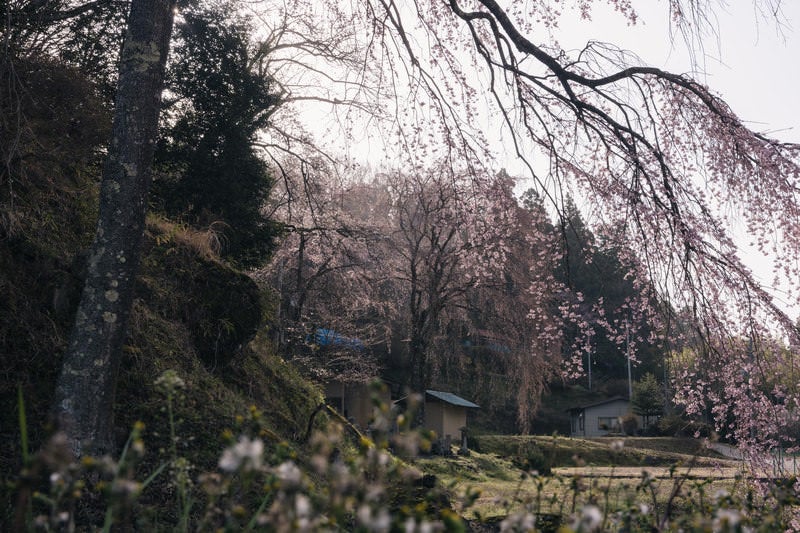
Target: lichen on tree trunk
[(85, 390)]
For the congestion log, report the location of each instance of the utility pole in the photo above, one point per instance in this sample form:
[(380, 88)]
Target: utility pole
[(628, 355), (667, 402)]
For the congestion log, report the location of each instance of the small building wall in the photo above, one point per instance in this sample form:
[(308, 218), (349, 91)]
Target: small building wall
[(455, 418), (434, 417), (445, 419), (352, 400), (599, 420)]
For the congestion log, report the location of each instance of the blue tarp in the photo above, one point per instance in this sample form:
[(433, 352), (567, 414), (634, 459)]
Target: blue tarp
[(329, 337)]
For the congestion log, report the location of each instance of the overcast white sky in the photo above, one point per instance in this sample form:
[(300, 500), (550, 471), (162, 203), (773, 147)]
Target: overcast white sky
[(752, 63)]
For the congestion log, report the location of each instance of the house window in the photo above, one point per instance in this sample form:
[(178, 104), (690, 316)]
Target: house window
[(608, 423)]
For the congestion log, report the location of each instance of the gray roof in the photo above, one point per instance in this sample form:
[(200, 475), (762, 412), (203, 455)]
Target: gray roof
[(452, 399), (595, 404)]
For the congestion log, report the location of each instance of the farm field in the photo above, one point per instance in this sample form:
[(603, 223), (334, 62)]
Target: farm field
[(642, 473)]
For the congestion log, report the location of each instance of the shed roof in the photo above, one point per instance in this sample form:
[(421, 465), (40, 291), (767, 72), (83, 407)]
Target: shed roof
[(601, 402), (452, 399)]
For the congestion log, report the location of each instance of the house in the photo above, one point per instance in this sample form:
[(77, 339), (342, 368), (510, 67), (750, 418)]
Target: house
[(600, 418), (446, 414), (353, 399)]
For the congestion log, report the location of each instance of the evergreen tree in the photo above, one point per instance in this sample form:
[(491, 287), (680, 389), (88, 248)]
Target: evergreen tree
[(595, 271), (210, 174), (648, 398)]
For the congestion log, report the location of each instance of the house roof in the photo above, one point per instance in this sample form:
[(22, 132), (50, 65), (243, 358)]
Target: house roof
[(452, 399), (595, 404)]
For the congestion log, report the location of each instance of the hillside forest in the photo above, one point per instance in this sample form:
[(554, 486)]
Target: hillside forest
[(166, 206)]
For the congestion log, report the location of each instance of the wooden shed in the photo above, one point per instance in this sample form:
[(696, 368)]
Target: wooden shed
[(353, 400), (446, 414)]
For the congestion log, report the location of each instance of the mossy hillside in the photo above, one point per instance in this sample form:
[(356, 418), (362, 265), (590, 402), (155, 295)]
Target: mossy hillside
[(180, 291), (192, 313), (48, 192), (182, 279)]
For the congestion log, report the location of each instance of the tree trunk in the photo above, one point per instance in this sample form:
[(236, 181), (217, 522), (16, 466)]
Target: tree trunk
[(85, 390)]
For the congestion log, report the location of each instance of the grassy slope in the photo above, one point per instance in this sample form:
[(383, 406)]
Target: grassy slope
[(567, 451), (192, 313), (177, 307)]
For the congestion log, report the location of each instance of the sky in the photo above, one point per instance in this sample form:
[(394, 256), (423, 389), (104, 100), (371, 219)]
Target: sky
[(752, 61)]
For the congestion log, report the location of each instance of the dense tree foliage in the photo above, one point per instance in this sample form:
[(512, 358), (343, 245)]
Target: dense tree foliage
[(614, 303), (220, 98), (86, 35)]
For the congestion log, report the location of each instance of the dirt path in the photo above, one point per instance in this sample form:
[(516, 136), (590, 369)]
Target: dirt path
[(657, 472)]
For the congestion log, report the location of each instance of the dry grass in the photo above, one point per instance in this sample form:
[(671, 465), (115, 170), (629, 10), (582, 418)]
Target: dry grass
[(504, 488), (561, 495), (206, 243)]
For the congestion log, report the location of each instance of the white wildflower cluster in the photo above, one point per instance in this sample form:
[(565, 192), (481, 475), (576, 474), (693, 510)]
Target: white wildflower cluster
[(729, 520), (292, 508), (246, 454), (169, 382), (412, 525), (289, 474), (589, 519), (522, 521), (376, 520)]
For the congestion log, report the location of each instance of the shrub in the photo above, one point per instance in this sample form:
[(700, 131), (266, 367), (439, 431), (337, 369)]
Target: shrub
[(530, 457), (678, 426), (630, 423)]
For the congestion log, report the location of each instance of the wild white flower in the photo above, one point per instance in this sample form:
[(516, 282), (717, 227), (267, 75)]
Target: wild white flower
[(411, 526), (374, 521), (126, 487), (382, 522), (720, 494), (590, 519), (169, 382), (289, 474), (320, 463), (304, 525), (617, 445), (246, 454), (523, 521), (138, 447), (726, 519), (302, 506), (378, 457)]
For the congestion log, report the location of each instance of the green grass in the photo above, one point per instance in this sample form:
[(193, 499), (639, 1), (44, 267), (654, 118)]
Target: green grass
[(504, 487), (567, 451)]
